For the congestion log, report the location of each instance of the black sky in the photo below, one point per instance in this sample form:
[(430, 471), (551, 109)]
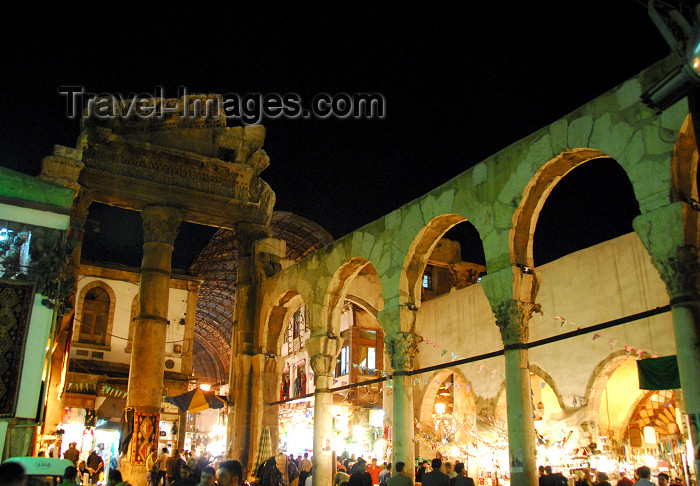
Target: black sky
[(461, 83)]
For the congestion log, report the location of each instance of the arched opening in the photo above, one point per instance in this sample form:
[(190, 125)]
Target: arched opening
[(448, 423), (638, 427), (592, 203), (358, 413), (446, 254)]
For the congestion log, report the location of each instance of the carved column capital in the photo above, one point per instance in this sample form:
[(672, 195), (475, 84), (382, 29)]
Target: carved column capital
[(402, 348), (322, 353), (160, 224), (513, 319), (680, 273)]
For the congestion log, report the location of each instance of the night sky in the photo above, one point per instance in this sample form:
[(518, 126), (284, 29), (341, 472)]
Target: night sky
[(460, 84)]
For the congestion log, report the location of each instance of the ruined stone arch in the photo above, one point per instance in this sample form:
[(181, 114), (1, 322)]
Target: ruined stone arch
[(334, 299), (418, 253), (547, 378), (277, 318), (463, 397), (599, 379), (110, 316), (534, 197)]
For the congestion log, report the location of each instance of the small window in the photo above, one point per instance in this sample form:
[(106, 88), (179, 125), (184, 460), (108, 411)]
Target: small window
[(427, 281), (343, 365), (368, 360), (82, 352), (93, 325), (367, 334), (98, 355)]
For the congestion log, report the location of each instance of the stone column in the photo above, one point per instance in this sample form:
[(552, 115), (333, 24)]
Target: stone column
[(670, 235), (248, 278), (63, 168), (680, 274), (264, 390), (238, 425), (512, 317), (322, 353), (402, 347), (160, 225)]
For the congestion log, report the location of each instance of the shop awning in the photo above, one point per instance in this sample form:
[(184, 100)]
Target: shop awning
[(196, 400)]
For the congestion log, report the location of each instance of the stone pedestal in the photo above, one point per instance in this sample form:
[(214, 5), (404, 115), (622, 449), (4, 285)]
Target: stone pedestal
[(402, 348), (322, 352), (160, 224)]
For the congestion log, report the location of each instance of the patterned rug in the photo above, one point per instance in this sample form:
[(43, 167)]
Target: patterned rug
[(15, 306), (145, 436)]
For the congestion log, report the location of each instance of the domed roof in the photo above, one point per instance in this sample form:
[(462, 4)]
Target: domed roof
[(217, 265)]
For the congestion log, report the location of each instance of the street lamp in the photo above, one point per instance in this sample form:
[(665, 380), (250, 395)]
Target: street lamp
[(683, 38)]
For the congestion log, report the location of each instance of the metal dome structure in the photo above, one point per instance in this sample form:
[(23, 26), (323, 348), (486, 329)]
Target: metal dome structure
[(217, 265)]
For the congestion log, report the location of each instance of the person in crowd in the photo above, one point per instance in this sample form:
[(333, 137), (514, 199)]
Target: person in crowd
[(12, 474), (340, 478), (230, 474), (310, 479), (115, 478), (302, 477), (70, 476), (83, 470), (643, 473), (422, 466), (208, 477), (461, 478), (163, 471), (400, 478), (542, 478), (558, 478), (373, 469), (447, 466), (624, 480), (172, 467), (72, 453), (195, 471), (385, 475), (339, 465), (436, 477), (152, 467), (305, 464), (360, 476), (186, 478), (95, 465), (663, 479), (601, 479)]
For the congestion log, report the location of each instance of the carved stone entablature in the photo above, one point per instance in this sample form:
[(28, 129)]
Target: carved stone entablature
[(402, 348), (513, 318), (193, 162), (680, 272), (160, 224), (177, 168)]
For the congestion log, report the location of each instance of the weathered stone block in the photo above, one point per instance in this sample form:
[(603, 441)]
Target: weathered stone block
[(557, 135), (579, 133)]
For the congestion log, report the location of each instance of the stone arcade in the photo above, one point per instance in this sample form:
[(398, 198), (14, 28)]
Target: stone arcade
[(207, 173)]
